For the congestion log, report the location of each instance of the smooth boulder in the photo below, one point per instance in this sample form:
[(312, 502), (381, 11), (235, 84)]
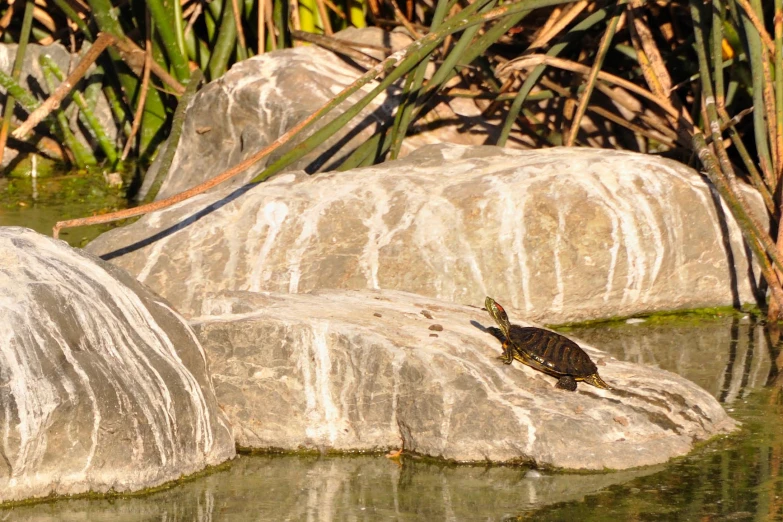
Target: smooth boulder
[(372, 371), (103, 386), (560, 235), (260, 99)]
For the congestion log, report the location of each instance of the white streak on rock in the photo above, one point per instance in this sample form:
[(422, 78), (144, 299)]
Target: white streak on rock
[(378, 236), (512, 232), (274, 215), (557, 302), (99, 352), (315, 364)]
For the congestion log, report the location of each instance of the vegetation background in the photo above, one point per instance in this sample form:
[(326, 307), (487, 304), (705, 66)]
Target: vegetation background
[(692, 79)]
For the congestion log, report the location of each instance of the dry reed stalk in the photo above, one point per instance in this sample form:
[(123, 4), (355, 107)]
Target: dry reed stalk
[(336, 46), (567, 17), (653, 66), (533, 60), (53, 101), (405, 21), (769, 106), (293, 6), (238, 23), (270, 23), (553, 17), (603, 48), (128, 49), (261, 29), (636, 129), (5, 21), (335, 9), (765, 38), (327, 24), (44, 19), (145, 82), (192, 16), (236, 169)]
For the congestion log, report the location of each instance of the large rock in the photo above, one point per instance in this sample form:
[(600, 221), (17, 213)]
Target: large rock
[(102, 385), (260, 99), (560, 234), (368, 371)]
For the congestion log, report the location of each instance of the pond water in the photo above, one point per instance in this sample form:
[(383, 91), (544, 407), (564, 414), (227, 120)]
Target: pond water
[(731, 478), (40, 203)]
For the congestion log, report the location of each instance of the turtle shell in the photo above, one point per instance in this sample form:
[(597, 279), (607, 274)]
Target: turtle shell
[(551, 352)]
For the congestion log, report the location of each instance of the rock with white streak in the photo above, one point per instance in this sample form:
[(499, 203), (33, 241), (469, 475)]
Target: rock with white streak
[(557, 235), (260, 99), (369, 371), (102, 385)]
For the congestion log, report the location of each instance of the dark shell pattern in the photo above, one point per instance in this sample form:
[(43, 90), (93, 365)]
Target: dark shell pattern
[(556, 354)]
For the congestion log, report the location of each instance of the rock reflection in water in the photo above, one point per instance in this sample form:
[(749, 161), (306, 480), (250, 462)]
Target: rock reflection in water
[(338, 488), (727, 479), (727, 356)]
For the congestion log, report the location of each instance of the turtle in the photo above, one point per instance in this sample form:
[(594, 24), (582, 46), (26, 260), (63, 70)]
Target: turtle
[(546, 351)]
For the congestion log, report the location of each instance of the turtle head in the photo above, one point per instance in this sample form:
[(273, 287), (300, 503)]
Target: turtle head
[(597, 381), (499, 315)]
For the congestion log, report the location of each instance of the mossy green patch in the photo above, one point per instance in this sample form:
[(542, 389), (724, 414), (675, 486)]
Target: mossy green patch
[(689, 317), (111, 494), (38, 203)]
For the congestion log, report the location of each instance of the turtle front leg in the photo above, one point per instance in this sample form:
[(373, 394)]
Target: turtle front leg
[(566, 382), (507, 356)]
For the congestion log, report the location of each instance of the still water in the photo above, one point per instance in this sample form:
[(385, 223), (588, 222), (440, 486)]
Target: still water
[(731, 478)]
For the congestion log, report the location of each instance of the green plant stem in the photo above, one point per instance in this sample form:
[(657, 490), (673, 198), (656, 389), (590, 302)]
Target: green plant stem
[(308, 14), (718, 10), (468, 56), (118, 108), (16, 71), (536, 73), (155, 116), (174, 136), (394, 67), (280, 16), (721, 173), (750, 166), (224, 46), (447, 68), (411, 90), (82, 156), (163, 16), (584, 99), (356, 13), (86, 114), (17, 92)]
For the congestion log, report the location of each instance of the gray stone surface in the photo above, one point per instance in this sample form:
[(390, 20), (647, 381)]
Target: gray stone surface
[(32, 79), (363, 371), (260, 99), (556, 235), (102, 385)]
